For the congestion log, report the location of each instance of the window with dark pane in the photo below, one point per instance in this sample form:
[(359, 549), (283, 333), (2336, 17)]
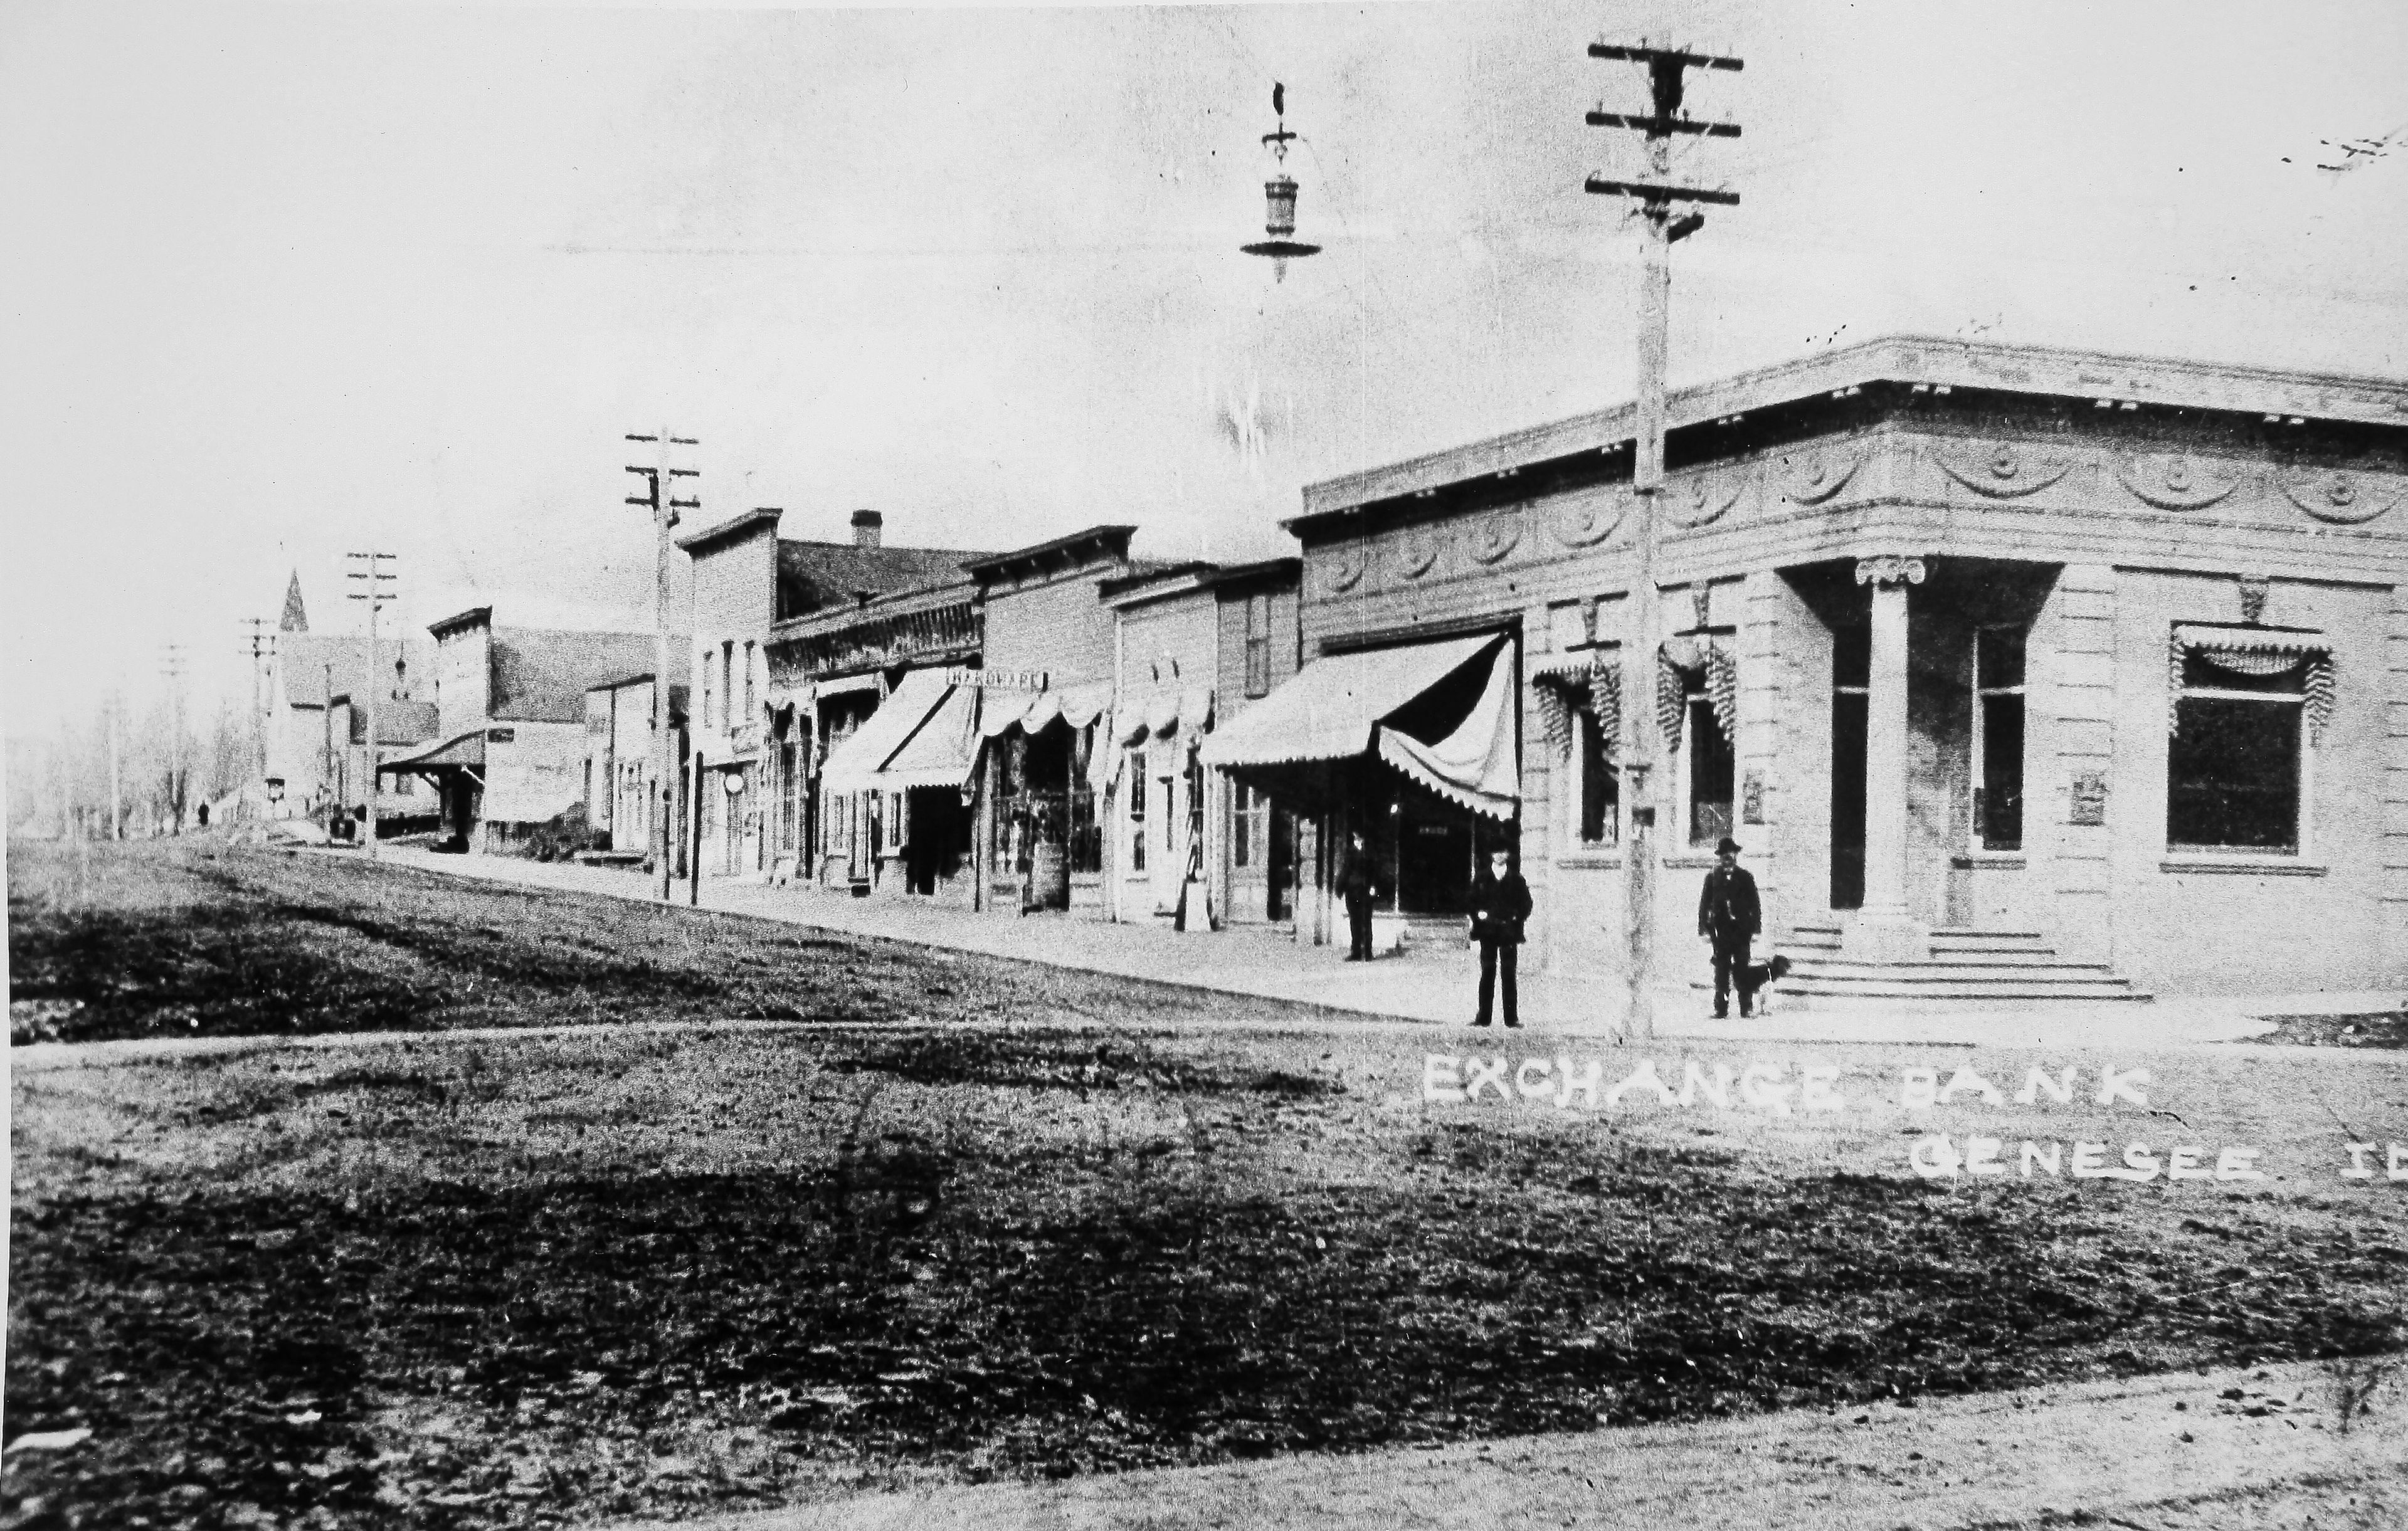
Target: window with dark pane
[(1998, 737), (1600, 787), (1712, 773), (1258, 644), (2232, 767)]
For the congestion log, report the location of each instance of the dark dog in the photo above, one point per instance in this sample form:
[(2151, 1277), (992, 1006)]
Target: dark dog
[(1756, 982)]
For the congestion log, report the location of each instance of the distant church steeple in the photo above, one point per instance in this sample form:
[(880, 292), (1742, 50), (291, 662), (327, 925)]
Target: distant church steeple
[(296, 616)]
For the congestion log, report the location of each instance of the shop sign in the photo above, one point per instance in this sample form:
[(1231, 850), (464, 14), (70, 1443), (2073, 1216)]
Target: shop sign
[(999, 680)]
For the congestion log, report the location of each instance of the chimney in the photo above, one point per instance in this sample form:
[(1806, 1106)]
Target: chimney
[(865, 525)]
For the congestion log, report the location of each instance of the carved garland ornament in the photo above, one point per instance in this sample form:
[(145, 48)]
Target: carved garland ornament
[(1496, 536), (2005, 472), (2176, 480), (2345, 499), (1810, 478), (1587, 519), (1704, 499), (1417, 552)]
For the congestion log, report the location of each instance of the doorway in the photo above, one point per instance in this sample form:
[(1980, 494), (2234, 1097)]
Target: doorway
[(1851, 672), (938, 827)]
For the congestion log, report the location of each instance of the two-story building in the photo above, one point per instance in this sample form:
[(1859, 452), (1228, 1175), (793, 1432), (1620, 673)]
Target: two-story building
[(1195, 645), (625, 798), (2020, 673), (1042, 708), (508, 766), (762, 726)]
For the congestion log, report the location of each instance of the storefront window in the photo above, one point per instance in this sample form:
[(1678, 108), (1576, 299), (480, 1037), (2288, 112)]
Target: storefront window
[(1999, 739), (1245, 825), (2233, 768)]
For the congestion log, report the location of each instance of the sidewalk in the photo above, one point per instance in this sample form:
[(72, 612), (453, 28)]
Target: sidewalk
[(2158, 1451), (1432, 985)]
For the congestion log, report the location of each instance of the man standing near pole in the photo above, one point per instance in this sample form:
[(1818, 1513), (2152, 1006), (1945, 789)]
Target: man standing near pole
[(1730, 917), (1656, 198)]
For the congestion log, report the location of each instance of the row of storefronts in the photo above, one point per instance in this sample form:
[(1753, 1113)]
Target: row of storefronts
[(2019, 674)]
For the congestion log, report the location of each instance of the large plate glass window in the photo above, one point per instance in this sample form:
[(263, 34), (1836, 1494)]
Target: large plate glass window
[(2233, 769)]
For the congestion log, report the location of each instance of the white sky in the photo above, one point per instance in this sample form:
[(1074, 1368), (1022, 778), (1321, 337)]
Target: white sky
[(286, 282)]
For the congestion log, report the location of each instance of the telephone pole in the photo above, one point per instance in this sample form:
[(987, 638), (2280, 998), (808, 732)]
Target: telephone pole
[(1657, 198), (172, 668), (116, 808), (373, 581), (261, 642), (660, 497)]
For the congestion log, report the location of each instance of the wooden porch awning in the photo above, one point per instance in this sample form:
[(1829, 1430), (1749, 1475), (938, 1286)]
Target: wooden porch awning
[(466, 752)]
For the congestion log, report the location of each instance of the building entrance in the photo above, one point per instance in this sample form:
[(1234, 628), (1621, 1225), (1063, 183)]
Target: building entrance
[(1851, 668)]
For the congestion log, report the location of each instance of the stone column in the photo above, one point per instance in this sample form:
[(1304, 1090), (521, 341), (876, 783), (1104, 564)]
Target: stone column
[(1883, 930)]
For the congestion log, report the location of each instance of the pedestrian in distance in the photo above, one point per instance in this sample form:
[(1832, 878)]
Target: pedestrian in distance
[(1355, 883), (1500, 906), (1728, 917)]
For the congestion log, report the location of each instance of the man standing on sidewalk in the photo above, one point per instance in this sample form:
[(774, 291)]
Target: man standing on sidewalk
[(1354, 882), (1729, 916), (1501, 904)]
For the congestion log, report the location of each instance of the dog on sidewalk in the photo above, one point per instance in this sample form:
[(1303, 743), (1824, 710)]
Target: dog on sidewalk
[(1756, 982)]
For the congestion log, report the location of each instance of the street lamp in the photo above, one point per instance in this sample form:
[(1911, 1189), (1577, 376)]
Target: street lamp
[(1279, 192)]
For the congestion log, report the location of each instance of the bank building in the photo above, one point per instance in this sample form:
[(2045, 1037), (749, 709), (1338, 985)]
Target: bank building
[(2021, 675)]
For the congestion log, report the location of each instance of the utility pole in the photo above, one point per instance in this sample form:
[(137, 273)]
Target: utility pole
[(660, 497), (1656, 198), (261, 640), (172, 668), (116, 809), (373, 580)]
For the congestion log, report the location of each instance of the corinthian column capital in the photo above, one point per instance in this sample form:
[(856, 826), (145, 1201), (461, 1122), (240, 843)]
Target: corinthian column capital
[(1889, 569)]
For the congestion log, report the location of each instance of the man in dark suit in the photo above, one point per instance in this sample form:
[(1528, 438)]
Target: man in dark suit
[(1729, 916), (1501, 904), (1354, 883)]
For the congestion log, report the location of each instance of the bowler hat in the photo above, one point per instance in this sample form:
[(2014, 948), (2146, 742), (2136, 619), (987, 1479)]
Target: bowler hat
[(1728, 845)]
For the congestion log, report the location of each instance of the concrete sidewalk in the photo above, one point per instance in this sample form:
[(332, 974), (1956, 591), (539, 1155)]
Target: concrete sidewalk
[(1434, 985), (2155, 1452)]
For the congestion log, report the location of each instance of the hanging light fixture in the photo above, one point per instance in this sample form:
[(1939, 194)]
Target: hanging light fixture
[(1279, 192)]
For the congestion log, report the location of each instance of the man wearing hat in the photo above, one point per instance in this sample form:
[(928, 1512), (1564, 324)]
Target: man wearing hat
[(1729, 916)]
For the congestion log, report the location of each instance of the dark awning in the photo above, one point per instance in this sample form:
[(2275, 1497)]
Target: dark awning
[(467, 753)]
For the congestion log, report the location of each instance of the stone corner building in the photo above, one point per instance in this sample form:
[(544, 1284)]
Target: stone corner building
[(2021, 673)]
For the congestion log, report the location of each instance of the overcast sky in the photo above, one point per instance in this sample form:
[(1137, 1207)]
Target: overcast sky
[(287, 282)]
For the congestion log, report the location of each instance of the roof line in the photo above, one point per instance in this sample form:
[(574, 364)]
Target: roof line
[(2039, 371), (730, 527)]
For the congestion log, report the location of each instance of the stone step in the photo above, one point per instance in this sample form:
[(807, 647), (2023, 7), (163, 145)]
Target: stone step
[(1960, 996), (2022, 972)]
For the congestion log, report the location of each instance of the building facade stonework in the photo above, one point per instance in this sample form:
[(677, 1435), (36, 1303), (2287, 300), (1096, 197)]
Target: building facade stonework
[(2020, 674)]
